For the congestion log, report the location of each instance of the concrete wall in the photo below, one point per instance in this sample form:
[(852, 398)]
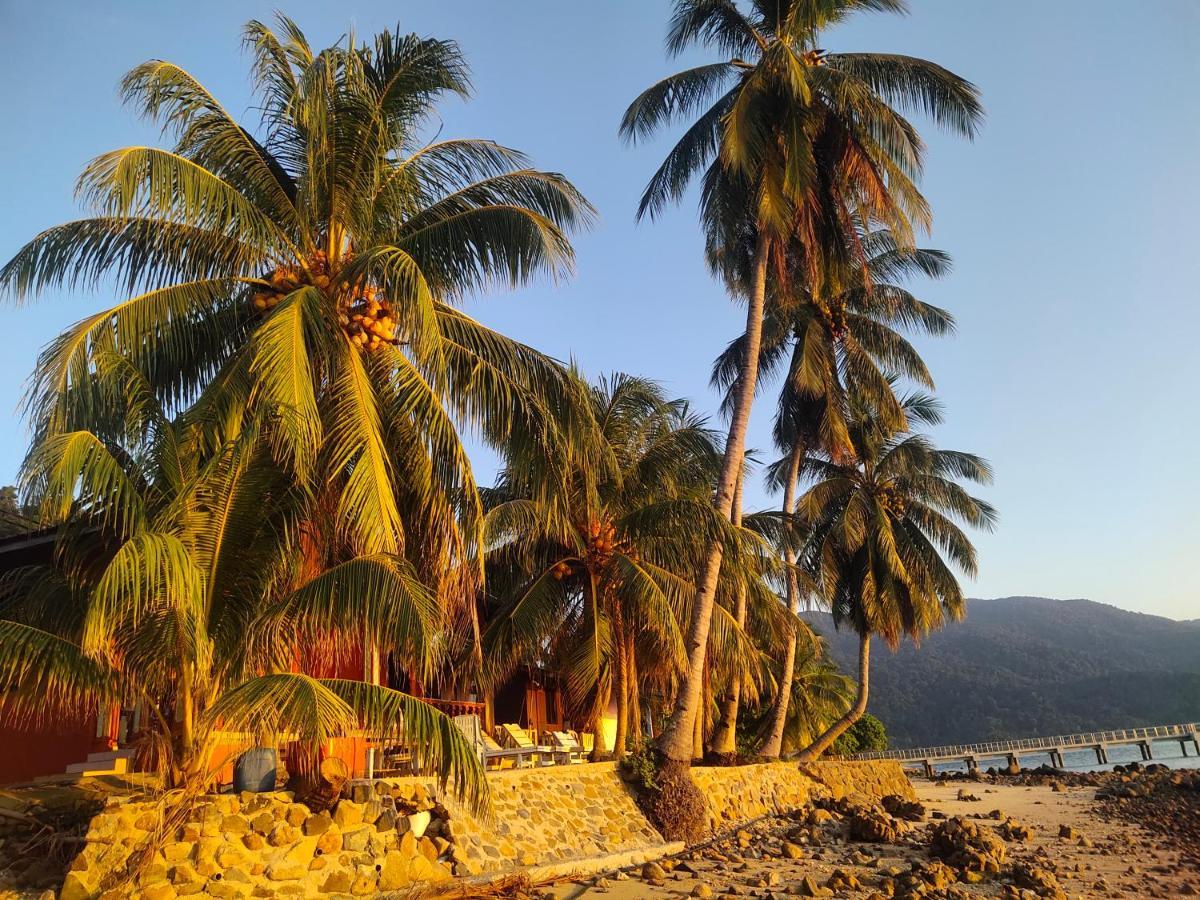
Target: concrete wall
[(399, 831)]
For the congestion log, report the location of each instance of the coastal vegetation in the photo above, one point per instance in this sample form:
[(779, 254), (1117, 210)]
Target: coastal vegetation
[(256, 464)]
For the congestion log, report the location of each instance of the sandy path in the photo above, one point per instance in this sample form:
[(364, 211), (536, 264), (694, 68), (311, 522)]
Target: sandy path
[(1101, 860)]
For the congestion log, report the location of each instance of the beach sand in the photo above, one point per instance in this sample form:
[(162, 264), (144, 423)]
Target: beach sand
[(1100, 859)]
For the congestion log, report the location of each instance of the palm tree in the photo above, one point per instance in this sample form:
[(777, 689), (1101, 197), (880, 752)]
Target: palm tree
[(180, 585), (305, 273), (884, 537), (588, 550), (840, 339), (795, 144)]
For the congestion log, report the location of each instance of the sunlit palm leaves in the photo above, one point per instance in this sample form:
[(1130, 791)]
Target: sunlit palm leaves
[(591, 543), (338, 189), (197, 607), (793, 147), (885, 536)]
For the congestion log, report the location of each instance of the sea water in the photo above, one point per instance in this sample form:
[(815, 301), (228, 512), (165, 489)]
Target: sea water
[(1166, 752)]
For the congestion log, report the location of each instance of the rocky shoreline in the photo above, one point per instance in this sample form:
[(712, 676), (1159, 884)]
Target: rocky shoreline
[(1038, 834)]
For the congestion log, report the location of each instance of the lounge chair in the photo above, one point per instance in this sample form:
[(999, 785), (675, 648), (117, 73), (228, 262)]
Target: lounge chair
[(516, 736), (494, 754), (566, 745)]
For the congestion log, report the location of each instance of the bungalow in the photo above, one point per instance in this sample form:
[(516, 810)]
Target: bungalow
[(98, 740)]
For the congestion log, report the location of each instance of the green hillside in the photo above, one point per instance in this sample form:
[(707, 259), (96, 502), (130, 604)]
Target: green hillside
[(1028, 666)]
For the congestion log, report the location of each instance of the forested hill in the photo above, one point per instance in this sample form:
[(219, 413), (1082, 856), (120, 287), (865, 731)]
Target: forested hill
[(1027, 666)]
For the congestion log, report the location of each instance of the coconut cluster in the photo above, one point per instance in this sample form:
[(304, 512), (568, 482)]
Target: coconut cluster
[(285, 279), (834, 318), (365, 316), (892, 500), (369, 320)]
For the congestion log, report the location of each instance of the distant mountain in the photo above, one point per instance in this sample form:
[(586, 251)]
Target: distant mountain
[(1026, 667)]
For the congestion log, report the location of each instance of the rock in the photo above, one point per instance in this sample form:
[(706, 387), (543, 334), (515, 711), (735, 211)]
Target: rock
[(394, 873), (234, 825), (792, 851), (365, 881), (1012, 830), (809, 888), (1066, 831), (909, 810), (317, 824), (1038, 880), (355, 839), (253, 841), (703, 891), (285, 871), (652, 871), (347, 814), (339, 883), (418, 822), (75, 888), (841, 880), (330, 841), (178, 851), (296, 815), (282, 835), (966, 846), (875, 826)]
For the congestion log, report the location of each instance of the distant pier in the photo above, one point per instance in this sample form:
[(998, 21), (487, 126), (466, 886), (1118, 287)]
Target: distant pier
[(1054, 747)]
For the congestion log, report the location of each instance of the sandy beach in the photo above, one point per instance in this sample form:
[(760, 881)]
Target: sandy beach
[(1059, 830)]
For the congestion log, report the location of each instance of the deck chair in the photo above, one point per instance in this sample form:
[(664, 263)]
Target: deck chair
[(567, 746), (587, 741), (516, 736), (504, 757)]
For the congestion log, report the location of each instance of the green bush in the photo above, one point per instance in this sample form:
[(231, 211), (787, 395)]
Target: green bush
[(863, 736)]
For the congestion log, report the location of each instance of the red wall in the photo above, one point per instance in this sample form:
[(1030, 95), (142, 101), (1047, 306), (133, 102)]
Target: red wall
[(27, 752)]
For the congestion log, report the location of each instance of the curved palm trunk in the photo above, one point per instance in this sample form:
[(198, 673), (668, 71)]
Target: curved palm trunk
[(635, 699), (774, 742), (676, 741), (622, 678), (834, 731), (724, 738)]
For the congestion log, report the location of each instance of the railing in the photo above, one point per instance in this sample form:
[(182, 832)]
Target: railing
[(1061, 742), (457, 707)]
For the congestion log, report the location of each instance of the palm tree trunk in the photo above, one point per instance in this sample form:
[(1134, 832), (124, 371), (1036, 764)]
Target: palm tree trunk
[(834, 731), (724, 739), (603, 690), (676, 740), (774, 742), (635, 699), (622, 678)]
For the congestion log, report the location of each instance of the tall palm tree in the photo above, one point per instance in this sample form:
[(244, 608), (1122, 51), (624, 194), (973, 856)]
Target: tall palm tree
[(885, 537), (590, 549), (839, 338), (795, 144), (180, 586), (305, 272)]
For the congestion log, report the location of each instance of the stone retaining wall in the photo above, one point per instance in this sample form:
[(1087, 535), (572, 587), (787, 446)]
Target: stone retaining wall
[(742, 793), (399, 831)]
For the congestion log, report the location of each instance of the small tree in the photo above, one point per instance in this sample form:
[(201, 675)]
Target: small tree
[(864, 736)]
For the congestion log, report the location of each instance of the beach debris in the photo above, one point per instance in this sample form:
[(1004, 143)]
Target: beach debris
[(967, 847), (1012, 830), (1041, 881), (909, 810), (874, 825)]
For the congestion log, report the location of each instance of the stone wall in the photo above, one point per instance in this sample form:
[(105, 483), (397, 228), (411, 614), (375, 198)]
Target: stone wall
[(392, 833), (742, 793)]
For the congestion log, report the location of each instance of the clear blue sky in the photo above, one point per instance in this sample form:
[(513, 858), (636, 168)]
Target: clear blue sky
[(1071, 220)]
